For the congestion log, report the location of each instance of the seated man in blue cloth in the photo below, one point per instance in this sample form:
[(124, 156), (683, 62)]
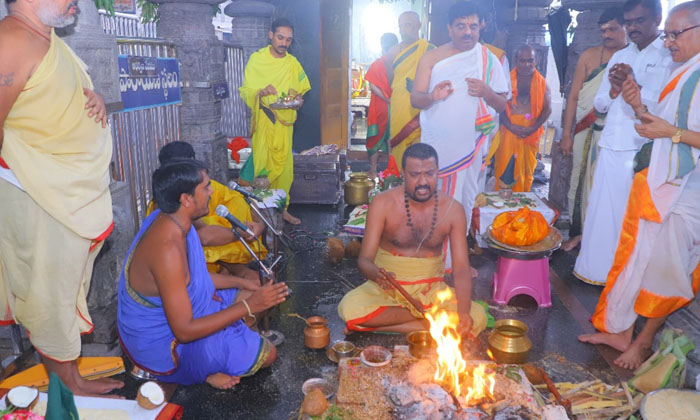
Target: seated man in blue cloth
[(175, 319)]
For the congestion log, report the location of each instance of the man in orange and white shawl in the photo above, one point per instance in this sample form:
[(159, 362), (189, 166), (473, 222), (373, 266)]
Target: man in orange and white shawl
[(656, 270)]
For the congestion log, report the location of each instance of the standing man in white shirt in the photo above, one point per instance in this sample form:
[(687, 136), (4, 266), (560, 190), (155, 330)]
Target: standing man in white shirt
[(649, 64)]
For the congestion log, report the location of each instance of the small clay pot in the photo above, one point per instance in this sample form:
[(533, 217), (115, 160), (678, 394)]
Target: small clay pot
[(316, 334)]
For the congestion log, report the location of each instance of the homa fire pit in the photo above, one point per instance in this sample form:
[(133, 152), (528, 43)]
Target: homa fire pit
[(407, 389), (445, 386)]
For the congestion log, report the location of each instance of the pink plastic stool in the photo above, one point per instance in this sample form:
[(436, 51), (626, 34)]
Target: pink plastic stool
[(522, 277)]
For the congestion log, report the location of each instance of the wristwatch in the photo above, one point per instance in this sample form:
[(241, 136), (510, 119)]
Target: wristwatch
[(677, 136)]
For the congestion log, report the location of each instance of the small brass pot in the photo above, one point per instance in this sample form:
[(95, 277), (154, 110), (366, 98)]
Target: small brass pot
[(316, 334), (357, 189), (508, 342), (343, 349), (421, 344)]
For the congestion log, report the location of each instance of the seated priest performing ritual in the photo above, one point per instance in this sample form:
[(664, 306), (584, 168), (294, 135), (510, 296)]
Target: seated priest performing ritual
[(175, 319), (402, 250)]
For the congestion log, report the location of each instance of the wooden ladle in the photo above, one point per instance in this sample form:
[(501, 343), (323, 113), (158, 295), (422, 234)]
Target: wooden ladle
[(536, 375)]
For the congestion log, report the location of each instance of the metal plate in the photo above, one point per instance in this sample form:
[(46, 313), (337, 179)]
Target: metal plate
[(550, 243), (642, 407)]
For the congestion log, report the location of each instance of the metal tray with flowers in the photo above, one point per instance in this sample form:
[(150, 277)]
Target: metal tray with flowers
[(286, 102), (550, 243)]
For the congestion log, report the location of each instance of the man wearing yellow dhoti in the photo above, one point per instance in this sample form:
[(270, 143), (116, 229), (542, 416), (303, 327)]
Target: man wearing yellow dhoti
[(656, 270), (404, 124), (406, 227), (271, 74), (55, 151), (590, 71)]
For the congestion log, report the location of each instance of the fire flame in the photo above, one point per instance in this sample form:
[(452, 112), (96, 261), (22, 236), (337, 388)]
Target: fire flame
[(451, 371)]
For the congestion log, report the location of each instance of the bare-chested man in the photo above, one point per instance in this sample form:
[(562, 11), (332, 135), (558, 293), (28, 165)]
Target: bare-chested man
[(406, 228), (55, 151), (522, 121), (455, 95), (582, 137), (174, 318)]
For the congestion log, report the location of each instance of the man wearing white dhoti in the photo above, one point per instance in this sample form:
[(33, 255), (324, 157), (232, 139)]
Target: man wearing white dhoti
[(454, 85), (648, 63), (656, 268)]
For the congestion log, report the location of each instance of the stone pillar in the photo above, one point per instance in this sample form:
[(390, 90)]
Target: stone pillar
[(586, 35), (251, 24), (187, 23), (524, 21)]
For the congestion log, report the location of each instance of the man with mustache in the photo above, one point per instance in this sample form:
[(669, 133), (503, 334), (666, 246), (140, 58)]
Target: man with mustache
[(522, 120), (657, 270), (587, 79), (271, 72), (649, 64), (55, 150), (456, 87), (404, 127), (406, 228)]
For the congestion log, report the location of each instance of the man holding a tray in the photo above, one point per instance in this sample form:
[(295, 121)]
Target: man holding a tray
[(273, 85)]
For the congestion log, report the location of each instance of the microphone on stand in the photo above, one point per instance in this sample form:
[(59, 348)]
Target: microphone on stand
[(234, 186), (222, 211)]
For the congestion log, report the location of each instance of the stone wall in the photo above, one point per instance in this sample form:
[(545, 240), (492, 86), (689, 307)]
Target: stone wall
[(201, 56)]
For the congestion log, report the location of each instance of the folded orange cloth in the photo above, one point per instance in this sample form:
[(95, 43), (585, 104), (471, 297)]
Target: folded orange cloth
[(520, 228)]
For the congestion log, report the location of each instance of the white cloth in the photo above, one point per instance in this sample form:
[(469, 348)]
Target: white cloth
[(486, 147), (663, 260), (663, 184), (651, 66), (607, 203), (10, 177), (463, 187), (450, 125), (666, 254)]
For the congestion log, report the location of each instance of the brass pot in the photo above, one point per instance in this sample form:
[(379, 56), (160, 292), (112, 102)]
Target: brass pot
[(357, 188), (508, 342), (316, 334), (421, 344)]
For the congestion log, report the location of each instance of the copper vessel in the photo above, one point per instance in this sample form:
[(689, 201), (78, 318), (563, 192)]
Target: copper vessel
[(508, 342), (357, 188), (421, 344), (316, 334)]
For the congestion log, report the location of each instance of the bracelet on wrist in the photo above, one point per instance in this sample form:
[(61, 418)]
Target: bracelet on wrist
[(638, 115), (250, 314)]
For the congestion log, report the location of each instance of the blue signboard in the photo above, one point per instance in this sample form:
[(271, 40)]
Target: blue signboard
[(141, 87)]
